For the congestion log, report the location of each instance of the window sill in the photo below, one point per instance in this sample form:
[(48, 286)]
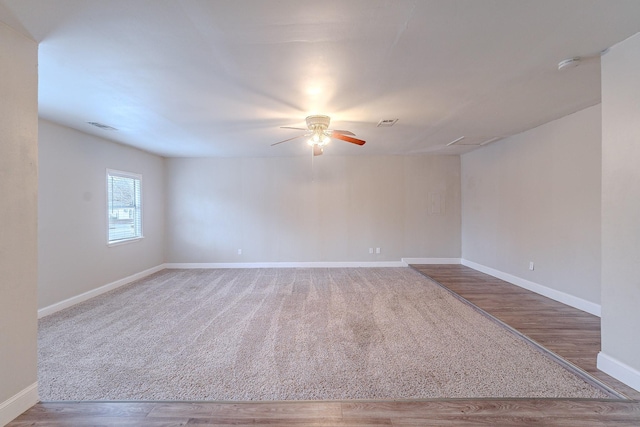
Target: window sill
[(124, 242)]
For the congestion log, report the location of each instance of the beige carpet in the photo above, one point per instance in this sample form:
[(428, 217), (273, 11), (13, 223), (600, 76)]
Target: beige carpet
[(288, 334)]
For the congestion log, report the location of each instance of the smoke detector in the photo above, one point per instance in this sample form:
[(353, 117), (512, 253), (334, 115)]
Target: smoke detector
[(569, 63)]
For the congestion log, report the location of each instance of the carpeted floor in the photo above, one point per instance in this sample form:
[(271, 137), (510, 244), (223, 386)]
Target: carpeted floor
[(288, 334)]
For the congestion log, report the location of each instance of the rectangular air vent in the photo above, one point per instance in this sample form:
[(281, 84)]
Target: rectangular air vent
[(386, 123), (455, 140), (489, 141), (101, 126)]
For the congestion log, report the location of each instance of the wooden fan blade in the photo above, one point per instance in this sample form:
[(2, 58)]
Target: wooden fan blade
[(344, 132), (295, 137), (291, 127), (317, 150), (347, 138)]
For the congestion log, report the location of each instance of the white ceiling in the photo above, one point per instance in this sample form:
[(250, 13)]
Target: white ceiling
[(218, 78)]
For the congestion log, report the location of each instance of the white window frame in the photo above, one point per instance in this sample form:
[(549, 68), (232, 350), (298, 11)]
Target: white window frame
[(123, 174)]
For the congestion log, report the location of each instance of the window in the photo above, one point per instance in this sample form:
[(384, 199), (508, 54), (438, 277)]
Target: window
[(124, 206)]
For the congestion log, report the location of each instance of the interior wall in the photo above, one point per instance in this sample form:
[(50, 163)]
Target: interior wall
[(621, 209), (334, 210), (535, 197), (73, 254), (18, 228)]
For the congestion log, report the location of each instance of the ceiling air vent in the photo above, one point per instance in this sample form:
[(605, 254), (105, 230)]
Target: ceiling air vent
[(386, 123), (101, 126), (455, 140)]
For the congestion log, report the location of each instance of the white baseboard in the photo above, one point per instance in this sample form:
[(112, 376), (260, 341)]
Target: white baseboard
[(95, 292), (618, 370), (190, 265), (431, 260), (570, 300), (17, 404), (331, 264), (285, 264)]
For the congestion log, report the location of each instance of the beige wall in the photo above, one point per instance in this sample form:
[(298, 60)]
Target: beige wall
[(536, 197), (286, 210), (621, 210), (18, 227), (73, 254)]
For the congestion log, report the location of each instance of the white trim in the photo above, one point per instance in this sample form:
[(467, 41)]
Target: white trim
[(571, 300), (619, 370), (192, 265), (124, 241), (284, 264), (408, 261), (18, 403), (95, 292), (130, 175), (312, 264)]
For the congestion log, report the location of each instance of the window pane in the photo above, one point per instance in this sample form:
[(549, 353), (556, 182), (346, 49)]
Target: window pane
[(124, 207)]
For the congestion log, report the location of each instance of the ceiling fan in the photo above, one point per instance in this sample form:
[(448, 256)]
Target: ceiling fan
[(320, 134)]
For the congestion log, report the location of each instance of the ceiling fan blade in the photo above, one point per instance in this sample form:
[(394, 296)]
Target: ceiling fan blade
[(291, 127), (295, 137), (344, 132), (347, 138), (317, 150)]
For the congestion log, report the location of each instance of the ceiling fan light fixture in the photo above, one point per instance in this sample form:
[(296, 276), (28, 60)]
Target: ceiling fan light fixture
[(319, 137), (318, 121)]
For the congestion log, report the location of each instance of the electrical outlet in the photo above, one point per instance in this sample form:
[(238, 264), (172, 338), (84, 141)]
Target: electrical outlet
[(239, 251), (370, 250), (377, 250), (531, 265)]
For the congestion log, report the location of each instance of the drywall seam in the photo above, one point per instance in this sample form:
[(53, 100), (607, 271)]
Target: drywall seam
[(18, 403), (618, 370), (95, 292), (570, 300)]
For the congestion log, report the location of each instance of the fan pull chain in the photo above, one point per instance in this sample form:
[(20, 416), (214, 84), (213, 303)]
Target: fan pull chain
[(313, 173)]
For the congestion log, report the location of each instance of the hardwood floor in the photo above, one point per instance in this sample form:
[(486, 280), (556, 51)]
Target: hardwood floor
[(572, 334), (569, 333), (454, 412)]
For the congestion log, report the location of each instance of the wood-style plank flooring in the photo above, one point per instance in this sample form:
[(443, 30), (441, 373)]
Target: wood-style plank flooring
[(456, 412), (568, 332)]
